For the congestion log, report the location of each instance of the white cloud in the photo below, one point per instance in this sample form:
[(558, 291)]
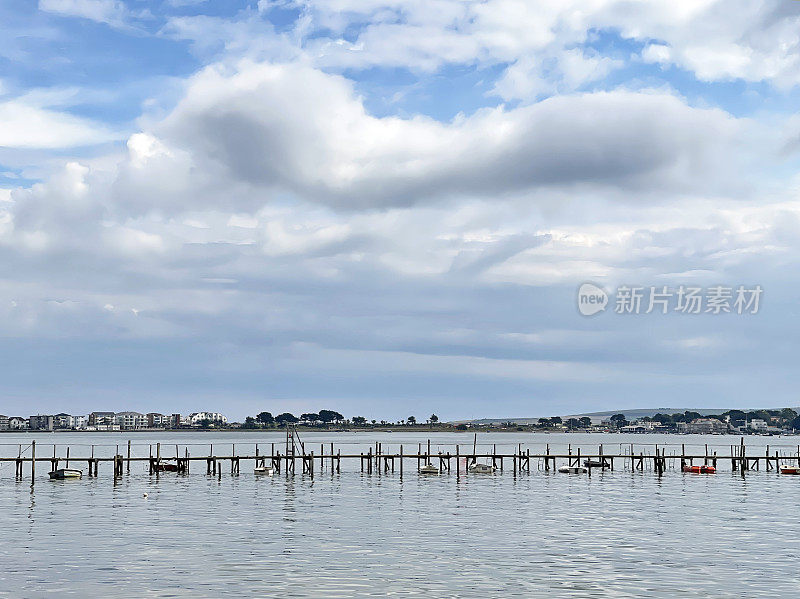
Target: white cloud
[(31, 126), (113, 12)]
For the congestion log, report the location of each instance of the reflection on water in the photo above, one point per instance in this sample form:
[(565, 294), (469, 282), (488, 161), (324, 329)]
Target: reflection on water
[(616, 534)]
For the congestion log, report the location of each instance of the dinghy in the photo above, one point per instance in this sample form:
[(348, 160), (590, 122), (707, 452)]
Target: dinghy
[(572, 469), (700, 469), (265, 470), (63, 473), (481, 469), (790, 470), (429, 469)]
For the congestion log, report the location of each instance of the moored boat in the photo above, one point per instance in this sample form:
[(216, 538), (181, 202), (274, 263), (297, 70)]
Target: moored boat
[(167, 467), (429, 469), (700, 469), (481, 469), (266, 470), (572, 469), (64, 473), (593, 463), (790, 470)]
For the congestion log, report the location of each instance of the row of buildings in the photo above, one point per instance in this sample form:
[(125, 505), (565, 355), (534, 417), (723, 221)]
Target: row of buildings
[(111, 421), (702, 426)]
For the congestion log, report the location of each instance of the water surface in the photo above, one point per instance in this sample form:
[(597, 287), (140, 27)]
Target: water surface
[(616, 534)]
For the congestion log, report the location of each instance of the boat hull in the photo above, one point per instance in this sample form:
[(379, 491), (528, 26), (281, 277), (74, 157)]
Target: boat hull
[(700, 469), (65, 473), (572, 470)]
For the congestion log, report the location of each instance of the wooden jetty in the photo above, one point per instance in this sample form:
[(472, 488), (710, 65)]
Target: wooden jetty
[(376, 459)]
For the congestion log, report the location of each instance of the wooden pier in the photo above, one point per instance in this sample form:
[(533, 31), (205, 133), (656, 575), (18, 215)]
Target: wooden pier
[(376, 459)]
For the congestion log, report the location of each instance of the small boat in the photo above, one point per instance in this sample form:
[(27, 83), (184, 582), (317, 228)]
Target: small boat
[(167, 467), (63, 473), (429, 469), (790, 470), (266, 470), (700, 469), (481, 469), (573, 470), (593, 463)]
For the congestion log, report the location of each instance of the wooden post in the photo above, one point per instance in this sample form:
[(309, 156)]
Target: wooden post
[(129, 456), (547, 459), (683, 455), (33, 462), (458, 463), (67, 456), (401, 461)]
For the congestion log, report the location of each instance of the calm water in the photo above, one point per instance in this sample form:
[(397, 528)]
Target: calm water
[(616, 534)]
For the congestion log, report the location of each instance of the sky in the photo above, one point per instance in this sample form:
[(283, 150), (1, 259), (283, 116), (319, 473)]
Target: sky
[(387, 207)]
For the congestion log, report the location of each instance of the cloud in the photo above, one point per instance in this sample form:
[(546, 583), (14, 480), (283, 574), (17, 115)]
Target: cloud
[(112, 12), (27, 125), (293, 129), (717, 40)]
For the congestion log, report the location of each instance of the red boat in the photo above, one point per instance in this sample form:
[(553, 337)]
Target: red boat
[(700, 469), (790, 470)]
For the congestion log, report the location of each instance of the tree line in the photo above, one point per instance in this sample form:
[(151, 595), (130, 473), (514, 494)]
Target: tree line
[(322, 418)]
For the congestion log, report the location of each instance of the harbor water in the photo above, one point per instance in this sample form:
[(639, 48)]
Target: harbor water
[(620, 533)]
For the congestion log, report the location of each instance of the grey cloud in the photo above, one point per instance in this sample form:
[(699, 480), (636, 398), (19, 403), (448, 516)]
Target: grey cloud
[(286, 128)]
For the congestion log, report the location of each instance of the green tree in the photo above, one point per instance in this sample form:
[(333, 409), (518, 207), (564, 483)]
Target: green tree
[(311, 417), (359, 420), (618, 420), (286, 418), (573, 423), (411, 420), (328, 416), (265, 418), (249, 422), (434, 419), (586, 422), (556, 420)]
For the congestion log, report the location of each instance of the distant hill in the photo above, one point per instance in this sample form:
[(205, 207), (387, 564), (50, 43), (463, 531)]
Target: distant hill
[(630, 414)]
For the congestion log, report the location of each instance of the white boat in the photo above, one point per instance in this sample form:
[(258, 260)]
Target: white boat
[(266, 470), (63, 473), (429, 469), (572, 469), (481, 469)]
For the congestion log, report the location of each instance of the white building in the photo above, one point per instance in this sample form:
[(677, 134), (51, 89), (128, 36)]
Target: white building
[(130, 421), (215, 417), (17, 423), (759, 425), (4, 423)]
